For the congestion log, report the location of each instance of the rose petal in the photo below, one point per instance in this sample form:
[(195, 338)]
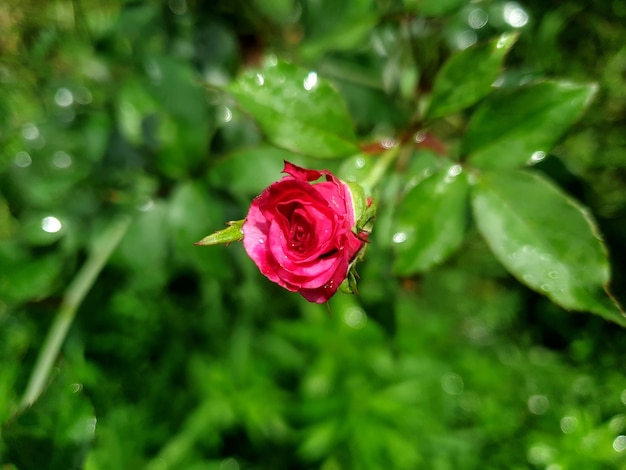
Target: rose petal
[(313, 273), (302, 174), (312, 232), (255, 238), (300, 234)]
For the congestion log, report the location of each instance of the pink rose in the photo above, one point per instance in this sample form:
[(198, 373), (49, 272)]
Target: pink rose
[(300, 235)]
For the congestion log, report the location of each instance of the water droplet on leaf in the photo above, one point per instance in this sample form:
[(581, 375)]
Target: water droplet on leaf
[(399, 237)]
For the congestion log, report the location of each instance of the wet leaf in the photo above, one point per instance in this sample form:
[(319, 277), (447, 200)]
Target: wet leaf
[(546, 240), (431, 220), (297, 110), (468, 76), (521, 125)]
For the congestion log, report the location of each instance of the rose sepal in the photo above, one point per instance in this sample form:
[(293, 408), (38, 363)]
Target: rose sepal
[(364, 216), (348, 286), (364, 208), (232, 233)]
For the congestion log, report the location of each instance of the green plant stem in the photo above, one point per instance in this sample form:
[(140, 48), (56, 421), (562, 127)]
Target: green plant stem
[(379, 168), (73, 297)]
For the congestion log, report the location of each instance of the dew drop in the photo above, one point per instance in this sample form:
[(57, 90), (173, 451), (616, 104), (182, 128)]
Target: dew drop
[(538, 404), (399, 237), (498, 82), (30, 132), (310, 81), (261, 240), (83, 95), (227, 114), (617, 423), (536, 157), (465, 39), (61, 159), (419, 137), (569, 424), (515, 15), (452, 384), (619, 444), (91, 424), (63, 97), (388, 142), (23, 159), (147, 205), (455, 170), (472, 179), (259, 79), (477, 18), (51, 224), (355, 317)]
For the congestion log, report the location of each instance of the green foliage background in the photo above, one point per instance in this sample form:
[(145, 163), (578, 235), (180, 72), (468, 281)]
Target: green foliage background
[(133, 119)]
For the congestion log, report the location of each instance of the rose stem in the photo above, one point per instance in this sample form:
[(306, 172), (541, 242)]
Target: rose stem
[(378, 170), (72, 298)]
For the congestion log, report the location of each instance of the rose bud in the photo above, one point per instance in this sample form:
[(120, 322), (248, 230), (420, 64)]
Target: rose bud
[(305, 235)]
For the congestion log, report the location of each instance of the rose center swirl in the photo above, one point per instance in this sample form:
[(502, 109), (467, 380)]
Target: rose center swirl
[(300, 232)]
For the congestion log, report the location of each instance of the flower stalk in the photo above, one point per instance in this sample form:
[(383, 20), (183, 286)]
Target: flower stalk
[(73, 297)]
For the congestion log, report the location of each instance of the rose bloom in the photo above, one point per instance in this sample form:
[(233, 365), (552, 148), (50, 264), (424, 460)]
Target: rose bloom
[(300, 235)]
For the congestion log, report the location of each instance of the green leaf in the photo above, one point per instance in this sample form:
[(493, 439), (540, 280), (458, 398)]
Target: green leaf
[(176, 87), (521, 125), (434, 7), (7, 223), (248, 171), (546, 240), (363, 213), (431, 220), (24, 278), (278, 11), (297, 110), (228, 235), (344, 38), (335, 26), (143, 250), (468, 76), (134, 104), (193, 211), (55, 432)]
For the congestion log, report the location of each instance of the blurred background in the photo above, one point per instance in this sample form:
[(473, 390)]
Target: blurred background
[(113, 120)]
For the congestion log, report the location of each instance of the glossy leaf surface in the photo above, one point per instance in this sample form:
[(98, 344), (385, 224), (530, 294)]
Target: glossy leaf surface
[(297, 110), (546, 240), (468, 76), (431, 221), (521, 125)]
